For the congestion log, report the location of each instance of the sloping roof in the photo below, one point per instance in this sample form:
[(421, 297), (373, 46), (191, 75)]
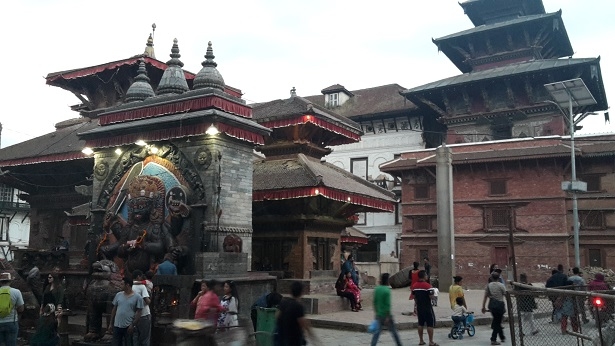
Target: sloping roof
[(480, 11), (353, 235), (500, 25), (307, 172), (282, 109), (506, 150), (499, 72), (335, 88), (54, 77), (59, 145), (371, 101)]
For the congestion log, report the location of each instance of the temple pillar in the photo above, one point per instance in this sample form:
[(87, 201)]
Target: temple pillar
[(446, 225)]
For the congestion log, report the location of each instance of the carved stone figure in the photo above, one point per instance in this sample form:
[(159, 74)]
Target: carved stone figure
[(146, 236), (232, 243), (106, 282)]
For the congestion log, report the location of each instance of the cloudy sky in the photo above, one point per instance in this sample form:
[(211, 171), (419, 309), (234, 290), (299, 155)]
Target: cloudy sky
[(262, 47)]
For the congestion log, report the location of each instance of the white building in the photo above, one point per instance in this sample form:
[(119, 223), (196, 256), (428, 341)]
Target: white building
[(391, 126), (14, 222)]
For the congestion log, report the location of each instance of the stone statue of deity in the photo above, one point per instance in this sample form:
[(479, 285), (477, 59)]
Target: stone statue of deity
[(142, 240)]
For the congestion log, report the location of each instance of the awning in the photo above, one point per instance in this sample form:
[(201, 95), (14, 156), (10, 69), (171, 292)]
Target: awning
[(353, 235)]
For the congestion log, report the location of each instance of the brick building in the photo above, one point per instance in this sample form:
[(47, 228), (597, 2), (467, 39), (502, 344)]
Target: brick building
[(512, 185), (507, 171)]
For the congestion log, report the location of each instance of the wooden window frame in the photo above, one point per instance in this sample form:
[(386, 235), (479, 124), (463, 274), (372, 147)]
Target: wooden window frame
[(498, 224), (426, 226), (593, 182), (359, 159), (593, 215), (493, 187), (421, 192)]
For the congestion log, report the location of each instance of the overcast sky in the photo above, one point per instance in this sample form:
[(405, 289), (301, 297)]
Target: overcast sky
[(262, 47)]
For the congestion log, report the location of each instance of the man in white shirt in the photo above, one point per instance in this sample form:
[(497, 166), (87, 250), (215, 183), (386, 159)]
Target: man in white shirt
[(143, 329)]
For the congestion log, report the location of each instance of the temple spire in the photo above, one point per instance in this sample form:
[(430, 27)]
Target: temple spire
[(140, 89), (209, 76), (149, 47), (173, 80)]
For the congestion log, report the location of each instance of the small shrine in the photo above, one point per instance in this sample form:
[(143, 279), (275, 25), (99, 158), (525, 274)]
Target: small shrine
[(300, 203)]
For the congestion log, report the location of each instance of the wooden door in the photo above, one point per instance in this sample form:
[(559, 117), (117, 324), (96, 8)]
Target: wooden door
[(501, 256), (595, 258)]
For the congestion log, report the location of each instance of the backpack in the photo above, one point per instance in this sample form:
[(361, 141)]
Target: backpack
[(6, 305), (339, 284)]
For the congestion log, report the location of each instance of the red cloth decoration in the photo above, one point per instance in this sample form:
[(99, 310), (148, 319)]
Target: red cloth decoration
[(342, 196)]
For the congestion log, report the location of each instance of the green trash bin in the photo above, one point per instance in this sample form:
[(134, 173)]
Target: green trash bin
[(265, 324)]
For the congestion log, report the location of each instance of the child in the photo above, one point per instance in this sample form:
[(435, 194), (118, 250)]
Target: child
[(459, 312), (434, 299)]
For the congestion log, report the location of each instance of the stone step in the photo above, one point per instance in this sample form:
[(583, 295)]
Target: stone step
[(318, 304)]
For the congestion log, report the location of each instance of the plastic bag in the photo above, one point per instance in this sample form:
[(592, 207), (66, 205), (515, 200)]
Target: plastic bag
[(373, 327)]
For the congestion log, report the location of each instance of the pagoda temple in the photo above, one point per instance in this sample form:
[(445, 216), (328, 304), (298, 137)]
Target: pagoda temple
[(509, 150), (513, 50), (300, 203)]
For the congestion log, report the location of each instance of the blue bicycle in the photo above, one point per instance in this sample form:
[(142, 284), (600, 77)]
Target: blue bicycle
[(458, 329)]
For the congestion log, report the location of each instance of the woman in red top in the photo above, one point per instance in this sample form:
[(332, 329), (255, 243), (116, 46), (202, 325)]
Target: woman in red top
[(351, 287), (207, 303)]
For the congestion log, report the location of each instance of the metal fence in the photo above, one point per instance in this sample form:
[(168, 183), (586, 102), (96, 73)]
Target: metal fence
[(558, 317)]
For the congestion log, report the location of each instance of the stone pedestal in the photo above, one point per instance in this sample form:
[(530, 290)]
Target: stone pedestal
[(212, 264)]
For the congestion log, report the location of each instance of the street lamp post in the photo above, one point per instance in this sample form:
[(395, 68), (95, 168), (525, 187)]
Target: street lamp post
[(566, 94)]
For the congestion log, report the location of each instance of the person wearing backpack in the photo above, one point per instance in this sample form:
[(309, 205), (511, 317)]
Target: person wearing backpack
[(11, 303)]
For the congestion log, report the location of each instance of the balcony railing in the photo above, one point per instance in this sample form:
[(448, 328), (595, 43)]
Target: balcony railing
[(5, 205)]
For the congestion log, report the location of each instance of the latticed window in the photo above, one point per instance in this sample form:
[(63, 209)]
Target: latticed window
[(422, 223), (421, 192), (497, 218), (592, 219), (497, 187)]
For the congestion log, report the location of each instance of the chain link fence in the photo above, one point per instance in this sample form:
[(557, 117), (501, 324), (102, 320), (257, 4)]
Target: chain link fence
[(563, 316)]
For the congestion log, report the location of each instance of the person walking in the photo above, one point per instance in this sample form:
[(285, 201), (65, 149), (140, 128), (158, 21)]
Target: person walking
[(526, 304), (414, 278), (127, 306), (9, 322), (423, 293), (456, 291), (207, 303), (495, 291), (143, 329), (579, 285), (382, 310), (291, 324), (230, 306)]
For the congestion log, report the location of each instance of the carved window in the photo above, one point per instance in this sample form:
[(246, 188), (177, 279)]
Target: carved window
[(497, 218), (591, 219), (391, 126), (497, 187), (593, 182), (421, 191), (422, 223), (405, 125)]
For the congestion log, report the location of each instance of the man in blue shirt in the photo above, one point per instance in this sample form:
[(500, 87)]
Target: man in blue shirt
[(167, 267)]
